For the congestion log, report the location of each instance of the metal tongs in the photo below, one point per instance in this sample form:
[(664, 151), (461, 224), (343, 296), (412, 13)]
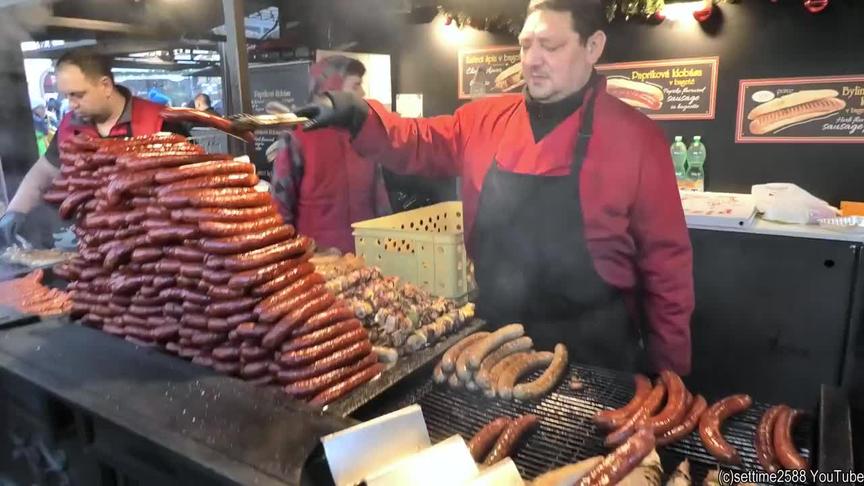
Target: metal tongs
[(278, 115)]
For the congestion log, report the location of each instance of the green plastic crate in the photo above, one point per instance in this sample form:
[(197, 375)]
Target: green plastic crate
[(423, 246)]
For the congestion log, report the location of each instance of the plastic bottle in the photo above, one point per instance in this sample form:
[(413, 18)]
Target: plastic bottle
[(679, 157), (696, 155)]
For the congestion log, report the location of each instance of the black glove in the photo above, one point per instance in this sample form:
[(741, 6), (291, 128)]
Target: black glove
[(10, 224), (336, 109)]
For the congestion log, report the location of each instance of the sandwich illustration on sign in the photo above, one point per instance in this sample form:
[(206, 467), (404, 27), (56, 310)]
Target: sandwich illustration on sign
[(510, 79), (635, 93), (792, 109)]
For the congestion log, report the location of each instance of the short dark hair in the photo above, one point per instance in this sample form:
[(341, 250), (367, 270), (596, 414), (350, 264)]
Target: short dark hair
[(355, 68), (589, 16), (206, 98), (91, 63)]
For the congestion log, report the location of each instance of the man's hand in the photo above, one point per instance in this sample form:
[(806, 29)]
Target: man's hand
[(336, 109), (10, 225)]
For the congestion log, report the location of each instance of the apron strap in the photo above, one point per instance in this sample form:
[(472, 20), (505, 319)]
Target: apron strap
[(585, 131)]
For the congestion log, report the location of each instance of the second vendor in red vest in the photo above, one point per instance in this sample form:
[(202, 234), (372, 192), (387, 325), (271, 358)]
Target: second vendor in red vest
[(572, 212), (320, 183), (98, 108)]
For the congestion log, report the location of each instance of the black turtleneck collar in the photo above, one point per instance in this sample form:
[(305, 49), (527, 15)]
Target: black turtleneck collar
[(545, 117)]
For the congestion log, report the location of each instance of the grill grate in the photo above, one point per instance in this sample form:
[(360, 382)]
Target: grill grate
[(567, 434)]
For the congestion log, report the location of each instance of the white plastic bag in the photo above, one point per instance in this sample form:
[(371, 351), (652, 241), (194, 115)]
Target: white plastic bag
[(784, 202)]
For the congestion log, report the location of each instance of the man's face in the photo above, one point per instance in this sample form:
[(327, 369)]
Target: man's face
[(200, 103), (354, 84), (88, 96), (555, 61)]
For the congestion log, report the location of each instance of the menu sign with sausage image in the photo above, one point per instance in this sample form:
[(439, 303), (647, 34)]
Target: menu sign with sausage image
[(669, 89), (489, 72), (801, 110)]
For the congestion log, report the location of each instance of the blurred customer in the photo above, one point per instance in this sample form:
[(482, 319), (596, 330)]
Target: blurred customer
[(203, 103), (320, 183)]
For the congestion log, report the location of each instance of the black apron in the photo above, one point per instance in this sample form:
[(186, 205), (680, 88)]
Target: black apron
[(533, 267)]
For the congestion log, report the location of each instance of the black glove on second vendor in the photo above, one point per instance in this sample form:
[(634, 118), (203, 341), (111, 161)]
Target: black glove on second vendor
[(336, 109)]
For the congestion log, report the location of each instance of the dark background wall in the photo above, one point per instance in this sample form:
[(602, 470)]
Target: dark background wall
[(753, 38)]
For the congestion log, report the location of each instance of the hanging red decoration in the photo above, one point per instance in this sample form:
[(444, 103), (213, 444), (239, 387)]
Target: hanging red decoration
[(815, 6), (658, 16)]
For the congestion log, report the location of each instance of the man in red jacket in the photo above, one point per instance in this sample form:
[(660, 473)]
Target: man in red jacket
[(99, 108), (320, 183), (572, 213)]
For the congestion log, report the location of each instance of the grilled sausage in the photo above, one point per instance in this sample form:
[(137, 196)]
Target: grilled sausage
[(223, 215), (249, 354), (251, 371), (185, 254), (308, 355), (340, 389), (248, 241), (485, 438), (620, 462), (231, 307), (210, 182), (492, 342), (511, 435), (462, 370), (268, 254), (343, 357), (335, 314), (309, 309), (216, 277), (222, 230), (276, 303), (712, 419), (208, 339), (550, 377), (764, 441), (226, 354), (612, 419), (74, 201), (313, 386), (229, 197), (277, 311), (639, 419), (784, 445), (225, 293), (135, 162), (322, 335), (448, 361), (521, 367), (676, 404), (697, 408), (288, 271), (483, 375), (203, 169)]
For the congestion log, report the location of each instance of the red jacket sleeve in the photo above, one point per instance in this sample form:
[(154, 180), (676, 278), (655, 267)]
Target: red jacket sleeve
[(428, 147), (664, 258)]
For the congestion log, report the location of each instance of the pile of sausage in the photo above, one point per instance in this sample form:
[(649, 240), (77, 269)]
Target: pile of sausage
[(178, 249), (27, 295), (671, 413), (495, 362)]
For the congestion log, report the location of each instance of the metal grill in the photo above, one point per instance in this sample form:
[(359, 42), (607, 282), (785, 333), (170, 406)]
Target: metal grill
[(567, 434)]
